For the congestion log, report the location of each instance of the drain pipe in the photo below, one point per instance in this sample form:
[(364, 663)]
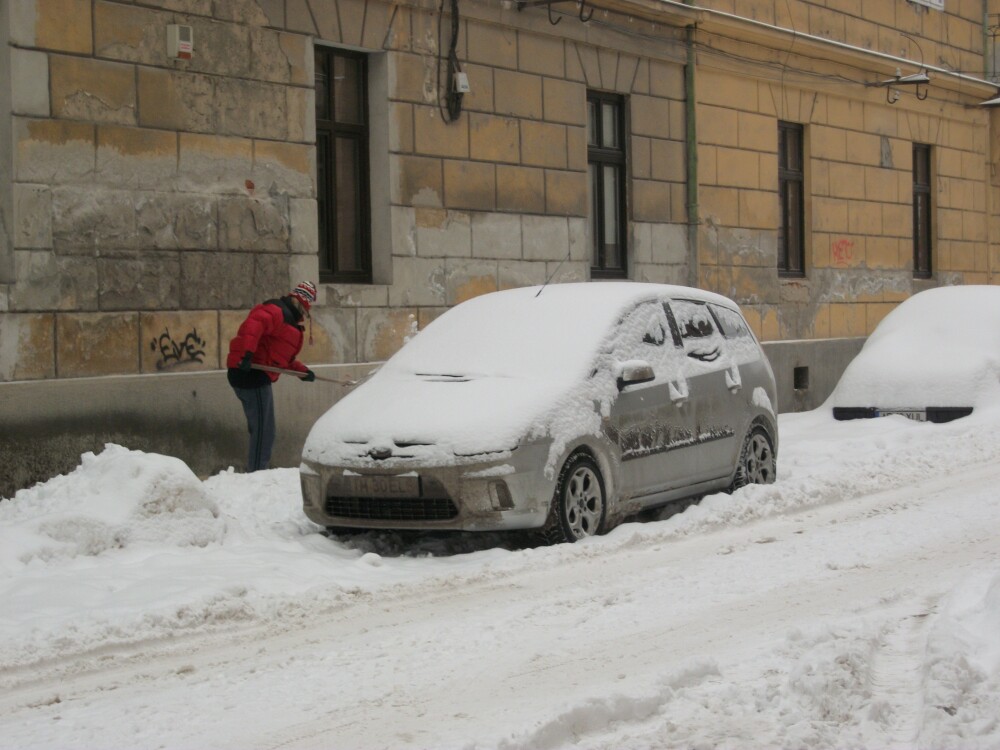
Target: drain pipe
[(691, 132)]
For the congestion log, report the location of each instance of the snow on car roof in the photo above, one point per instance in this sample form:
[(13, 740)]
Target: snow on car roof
[(940, 347), (549, 332)]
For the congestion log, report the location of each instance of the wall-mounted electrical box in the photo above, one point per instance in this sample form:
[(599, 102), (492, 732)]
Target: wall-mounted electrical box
[(461, 83), (180, 42)]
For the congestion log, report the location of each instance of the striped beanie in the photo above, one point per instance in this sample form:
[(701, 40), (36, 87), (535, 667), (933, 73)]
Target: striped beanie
[(306, 292)]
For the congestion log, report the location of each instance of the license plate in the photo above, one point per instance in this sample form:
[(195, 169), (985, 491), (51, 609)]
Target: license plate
[(379, 486), (917, 415)]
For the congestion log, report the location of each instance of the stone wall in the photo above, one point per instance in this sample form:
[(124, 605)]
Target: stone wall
[(151, 196)]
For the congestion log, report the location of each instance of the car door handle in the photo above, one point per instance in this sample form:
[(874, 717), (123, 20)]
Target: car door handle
[(734, 384), (679, 392)]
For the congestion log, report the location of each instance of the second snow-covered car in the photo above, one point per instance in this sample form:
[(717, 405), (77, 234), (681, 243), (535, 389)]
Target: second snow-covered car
[(563, 408)]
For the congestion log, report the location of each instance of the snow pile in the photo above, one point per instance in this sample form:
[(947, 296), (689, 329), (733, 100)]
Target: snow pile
[(113, 500)]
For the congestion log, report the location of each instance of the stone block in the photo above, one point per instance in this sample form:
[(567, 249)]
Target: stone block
[(417, 181), (496, 236), (32, 216), (579, 239), (666, 80), (670, 243), (335, 338), (545, 237), (306, 267), (147, 283), (303, 225), (51, 282), (667, 159), (172, 221), (250, 12), (758, 209), (651, 201), (29, 82), (520, 189), (738, 168), (381, 333), (517, 94), (642, 242), (442, 233), (567, 272), (251, 109), (492, 45), (301, 104), (640, 155), (545, 55), (418, 281), (247, 223), (92, 220), (404, 230), (280, 57), (219, 48), (650, 116), (543, 145), (136, 158), (92, 90), (53, 151), (660, 274), (214, 164), (284, 168), (494, 138), (270, 276), (514, 274), (44, 24), (356, 295), (92, 344), (480, 97), (217, 281), (755, 285), (466, 279), (576, 148), (175, 100), (299, 17), (470, 185), (564, 101), (131, 34), (435, 137), (565, 193), (413, 78), (28, 351)]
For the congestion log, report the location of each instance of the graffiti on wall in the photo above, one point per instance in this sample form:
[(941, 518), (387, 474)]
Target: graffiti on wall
[(175, 352), (842, 251)]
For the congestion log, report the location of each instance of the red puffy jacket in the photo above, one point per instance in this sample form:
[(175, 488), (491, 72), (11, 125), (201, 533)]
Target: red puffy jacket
[(272, 332)]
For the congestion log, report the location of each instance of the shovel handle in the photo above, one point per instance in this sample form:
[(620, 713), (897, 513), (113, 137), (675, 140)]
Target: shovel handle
[(296, 373)]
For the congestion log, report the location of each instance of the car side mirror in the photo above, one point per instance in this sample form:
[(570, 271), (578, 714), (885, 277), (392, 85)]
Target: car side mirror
[(634, 372)]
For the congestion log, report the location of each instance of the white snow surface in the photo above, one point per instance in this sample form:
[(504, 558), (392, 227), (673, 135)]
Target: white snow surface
[(853, 603)]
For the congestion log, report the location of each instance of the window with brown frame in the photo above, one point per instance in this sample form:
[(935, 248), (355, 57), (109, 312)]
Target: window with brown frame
[(791, 195), (606, 159), (922, 224), (343, 202)]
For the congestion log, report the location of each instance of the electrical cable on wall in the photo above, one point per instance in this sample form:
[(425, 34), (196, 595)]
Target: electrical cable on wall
[(456, 83)]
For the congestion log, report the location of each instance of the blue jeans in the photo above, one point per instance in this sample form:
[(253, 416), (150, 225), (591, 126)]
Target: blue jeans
[(258, 405)]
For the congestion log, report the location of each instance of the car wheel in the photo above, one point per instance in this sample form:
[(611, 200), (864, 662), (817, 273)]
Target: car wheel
[(757, 464), (579, 503)]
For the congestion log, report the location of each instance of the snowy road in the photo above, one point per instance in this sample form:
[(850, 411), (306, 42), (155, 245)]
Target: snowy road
[(854, 603)]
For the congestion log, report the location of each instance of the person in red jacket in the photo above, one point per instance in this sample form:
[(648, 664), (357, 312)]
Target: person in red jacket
[(270, 336)]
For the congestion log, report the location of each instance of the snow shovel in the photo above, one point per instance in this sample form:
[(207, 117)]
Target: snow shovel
[(296, 373)]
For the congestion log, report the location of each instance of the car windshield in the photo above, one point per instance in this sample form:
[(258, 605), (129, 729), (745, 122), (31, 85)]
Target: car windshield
[(520, 333)]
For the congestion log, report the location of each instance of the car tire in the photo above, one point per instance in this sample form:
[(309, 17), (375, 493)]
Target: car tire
[(579, 504), (757, 464)]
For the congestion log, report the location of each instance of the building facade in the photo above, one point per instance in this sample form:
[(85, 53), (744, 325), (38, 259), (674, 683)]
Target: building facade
[(166, 164)]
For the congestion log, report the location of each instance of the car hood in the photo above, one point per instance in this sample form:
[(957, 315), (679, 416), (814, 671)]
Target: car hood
[(434, 416)]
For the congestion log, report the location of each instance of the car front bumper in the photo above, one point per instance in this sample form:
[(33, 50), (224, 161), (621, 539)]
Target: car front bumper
[(494, 493)]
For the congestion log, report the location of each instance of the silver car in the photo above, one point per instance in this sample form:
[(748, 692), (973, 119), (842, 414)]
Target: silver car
[(563, 409)]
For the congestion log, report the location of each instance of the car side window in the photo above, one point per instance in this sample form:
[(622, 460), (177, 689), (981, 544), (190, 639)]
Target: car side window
[(731, 322), (642, 334), (698, 330)]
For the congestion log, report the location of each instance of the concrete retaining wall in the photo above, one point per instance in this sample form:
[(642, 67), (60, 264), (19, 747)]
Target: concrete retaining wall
[(48, 424)]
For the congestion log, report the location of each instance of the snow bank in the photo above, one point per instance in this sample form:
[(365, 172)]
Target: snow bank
[(113, 500)]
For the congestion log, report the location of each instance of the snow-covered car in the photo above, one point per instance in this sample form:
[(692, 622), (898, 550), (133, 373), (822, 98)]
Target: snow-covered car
[(934, 358), (562, 408)]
